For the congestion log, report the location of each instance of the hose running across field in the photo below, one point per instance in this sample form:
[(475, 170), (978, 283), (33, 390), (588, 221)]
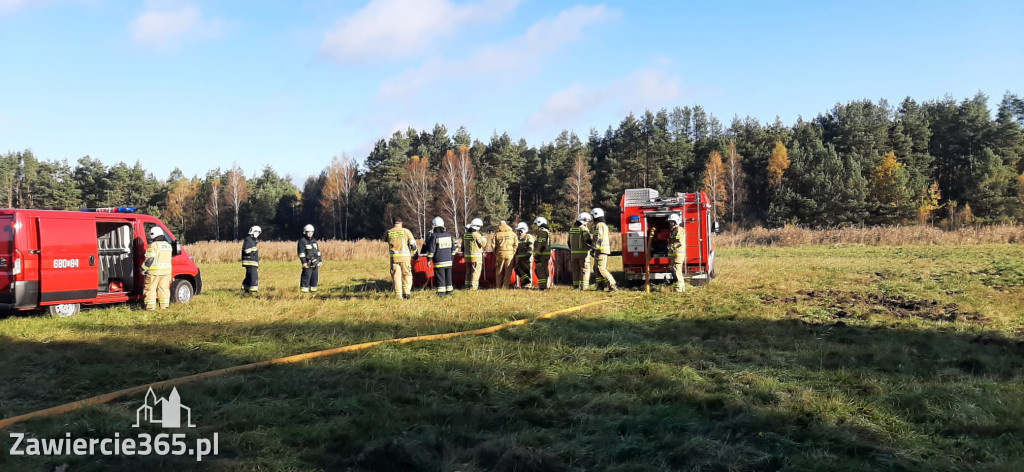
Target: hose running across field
[(108, 397)]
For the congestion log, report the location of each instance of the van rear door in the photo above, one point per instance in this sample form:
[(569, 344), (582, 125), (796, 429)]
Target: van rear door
[(68, 268), (7, 269)]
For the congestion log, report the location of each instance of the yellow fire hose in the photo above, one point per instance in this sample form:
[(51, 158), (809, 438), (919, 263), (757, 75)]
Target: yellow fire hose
[(108, 397)]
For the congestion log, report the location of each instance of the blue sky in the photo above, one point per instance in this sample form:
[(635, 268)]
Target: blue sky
[(205, 84)]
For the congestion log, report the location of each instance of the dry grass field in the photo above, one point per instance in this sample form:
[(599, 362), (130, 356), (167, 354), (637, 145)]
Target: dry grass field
[(845, 357), (230, 251)]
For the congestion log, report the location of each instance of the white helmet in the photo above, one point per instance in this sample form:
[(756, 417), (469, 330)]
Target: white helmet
[(476, 224), (597, 212), (438, 222), (307, 229), (675, 218), (255, 231), (584, 218), (540, 221), (521, 227), (155, 231)]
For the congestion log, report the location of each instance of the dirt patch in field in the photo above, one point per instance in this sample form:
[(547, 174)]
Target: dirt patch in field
[(841, 303)]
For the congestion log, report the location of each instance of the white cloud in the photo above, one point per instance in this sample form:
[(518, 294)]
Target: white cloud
[(389, 29), (647, 88), (11, 5), (516, 57), (160, 26)]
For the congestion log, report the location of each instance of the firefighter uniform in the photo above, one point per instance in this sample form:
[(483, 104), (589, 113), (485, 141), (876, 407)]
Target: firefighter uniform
[(579, 262), (602, 250), (524, 259), (251, 263), (541, 256), (439, 248), (401, 243), (309, 255), (473, 250), (505, 249), (677, 255), (157, 268)]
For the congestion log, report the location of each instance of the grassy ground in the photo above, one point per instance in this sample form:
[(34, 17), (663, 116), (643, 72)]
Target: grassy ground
[(807, 358)]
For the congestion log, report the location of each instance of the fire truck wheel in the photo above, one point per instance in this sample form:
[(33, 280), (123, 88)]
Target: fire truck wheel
[(181, 291), (64, 310)]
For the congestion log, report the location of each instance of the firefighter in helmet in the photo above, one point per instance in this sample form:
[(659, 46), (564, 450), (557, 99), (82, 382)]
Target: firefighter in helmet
[(473, 250), (251, 261), (504, 244), (601, 251), (579, 249), (677, 250), (542, 251), (438, 247), (309, 255), (524, 255), (401, 244), (157, 268)]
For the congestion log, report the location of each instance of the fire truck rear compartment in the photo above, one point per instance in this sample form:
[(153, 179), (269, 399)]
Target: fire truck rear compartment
[(117, 263), (658, 222)]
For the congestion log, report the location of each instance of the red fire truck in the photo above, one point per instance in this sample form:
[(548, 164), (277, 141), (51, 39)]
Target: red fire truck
[(62, 260), (645, 235)]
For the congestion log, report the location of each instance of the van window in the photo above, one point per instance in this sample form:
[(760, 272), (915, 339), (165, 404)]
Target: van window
[(174, 244), (149, 226), (6, 230)]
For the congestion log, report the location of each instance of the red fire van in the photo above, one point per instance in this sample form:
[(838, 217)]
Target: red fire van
[(62, 260)]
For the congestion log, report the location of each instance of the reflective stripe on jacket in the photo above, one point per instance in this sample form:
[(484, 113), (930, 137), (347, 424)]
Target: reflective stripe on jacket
[(602, 242), (158, 258), (439, 248), (677, 242), (542, 248), (401, 243), (525, 248), (309, 251), (473, 245), (505, 241), (250, 251), (579, 240)]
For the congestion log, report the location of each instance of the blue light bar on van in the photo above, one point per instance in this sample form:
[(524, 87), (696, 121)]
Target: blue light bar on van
[(124, 209)]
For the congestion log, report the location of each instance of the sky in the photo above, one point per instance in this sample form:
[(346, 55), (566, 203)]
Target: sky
[(200, 85)]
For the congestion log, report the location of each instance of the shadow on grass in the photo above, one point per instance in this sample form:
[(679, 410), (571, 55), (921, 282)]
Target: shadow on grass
[(564, 394)]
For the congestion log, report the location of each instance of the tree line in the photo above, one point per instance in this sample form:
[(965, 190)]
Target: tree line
[(861, 163)]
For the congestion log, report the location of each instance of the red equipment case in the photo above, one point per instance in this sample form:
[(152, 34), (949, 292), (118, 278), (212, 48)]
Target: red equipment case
[(558, 270)]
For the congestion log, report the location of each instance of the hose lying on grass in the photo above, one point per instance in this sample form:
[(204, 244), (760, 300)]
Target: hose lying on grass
[(108, 397)]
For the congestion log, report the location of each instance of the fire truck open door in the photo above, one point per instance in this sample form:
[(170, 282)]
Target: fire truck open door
[(68, 268)]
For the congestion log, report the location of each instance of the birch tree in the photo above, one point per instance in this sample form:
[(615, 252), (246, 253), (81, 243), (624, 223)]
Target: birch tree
[(578, 190), (213, 206), (734, 180), (348, 186), (331, 195), (414, 194), (714, 183), (457, 189), (236, 191)]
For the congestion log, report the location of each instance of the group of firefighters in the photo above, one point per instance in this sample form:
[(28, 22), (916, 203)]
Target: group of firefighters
[(516, 251), (309, 255)]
